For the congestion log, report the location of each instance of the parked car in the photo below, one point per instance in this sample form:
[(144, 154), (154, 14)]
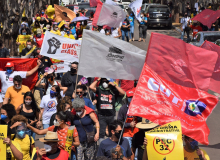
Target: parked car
[(201, 37), (145, 5), (159, 15)]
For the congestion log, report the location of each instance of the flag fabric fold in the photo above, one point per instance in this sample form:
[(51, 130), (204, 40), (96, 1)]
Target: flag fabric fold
[(162, 101), (207, 17), (59, 13), (111, 15), (104, 56), (136, 8), (215, 80), (97, 13), (180, 62)]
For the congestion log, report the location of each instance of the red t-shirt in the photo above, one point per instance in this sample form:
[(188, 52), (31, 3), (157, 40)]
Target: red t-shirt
[(62, 134), (196, 29), (127, 85), (62, 156), (39, 41)]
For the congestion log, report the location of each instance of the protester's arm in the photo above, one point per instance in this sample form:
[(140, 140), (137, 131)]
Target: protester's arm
[(5, 100), (76, 141), (120, 90), (93, 85), (35, 130), (29, 73), (7, 96), (145, 157), (39, 84), (18, 110), (90, 105), (40, 153), (40, 116), (95, 120), (17, 154), (200, 152)]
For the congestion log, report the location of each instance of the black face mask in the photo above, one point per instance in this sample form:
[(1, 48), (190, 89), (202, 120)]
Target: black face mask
[(73, 70), (117, 134)]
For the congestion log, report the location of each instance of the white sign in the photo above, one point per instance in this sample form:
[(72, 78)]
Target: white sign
[(61, 48), (76, 9), (60, 66)]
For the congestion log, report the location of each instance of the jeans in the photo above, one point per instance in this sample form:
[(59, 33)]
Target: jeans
[(31, 133), (131, 32), (86, 151), (142, 31), (125, 34), (103, 122), (45, 126), (183, 33), (73, 155)]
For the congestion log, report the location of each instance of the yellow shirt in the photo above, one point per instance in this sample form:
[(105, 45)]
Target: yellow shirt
[(193, 155), (23, 39), (16, 96), (25, 146), (70, 36), (56, 32), (9, 155)]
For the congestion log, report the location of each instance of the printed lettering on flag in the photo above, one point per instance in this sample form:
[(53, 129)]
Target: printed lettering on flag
[(136, 8), (162, 101), (60, 66), (61, 48)]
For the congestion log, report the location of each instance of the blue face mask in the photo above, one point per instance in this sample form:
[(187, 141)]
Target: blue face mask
[(194, 144), (9, 70), (23, 33), (42, 13), (52, 93), (3, 117), (21, 134), (68, 32)]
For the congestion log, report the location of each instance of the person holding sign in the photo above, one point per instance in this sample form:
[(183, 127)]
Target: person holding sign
[(192, 151), (50, 150)]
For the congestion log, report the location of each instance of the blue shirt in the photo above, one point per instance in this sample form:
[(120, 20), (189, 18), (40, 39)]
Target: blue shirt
[(107, 144), (131, 20), (142, 22), (88, 103), (73, 31)]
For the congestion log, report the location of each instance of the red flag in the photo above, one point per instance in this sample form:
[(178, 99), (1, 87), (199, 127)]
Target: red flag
[(207, 17), (25, 64), (93, 3), (215, 80), (162, 101), (97, 13), (180, 62)]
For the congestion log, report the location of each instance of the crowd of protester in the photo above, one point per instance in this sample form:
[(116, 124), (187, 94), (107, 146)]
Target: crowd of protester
[(97, 109)]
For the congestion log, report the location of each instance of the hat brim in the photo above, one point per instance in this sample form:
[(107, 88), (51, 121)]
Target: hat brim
[(141, 125), (43, 140)]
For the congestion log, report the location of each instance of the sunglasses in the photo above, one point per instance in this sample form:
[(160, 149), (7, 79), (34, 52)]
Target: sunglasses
[(79, 92)]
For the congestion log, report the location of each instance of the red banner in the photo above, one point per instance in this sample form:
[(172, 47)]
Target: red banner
[(207, 17), (215, 81), (97, 13), (180, 62), (162, 101), (22, 65)]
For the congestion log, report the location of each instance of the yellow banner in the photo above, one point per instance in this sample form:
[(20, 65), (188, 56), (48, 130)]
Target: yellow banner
[(165, 142), (69, 140), (3, 135)]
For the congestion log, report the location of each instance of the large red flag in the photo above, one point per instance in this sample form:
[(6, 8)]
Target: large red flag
[(215, 80), (25, 64), (207, 17), (162, 101), (97, 13), (180, 62), (93, 3)]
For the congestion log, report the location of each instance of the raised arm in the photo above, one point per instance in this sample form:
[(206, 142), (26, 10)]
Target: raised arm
[(93, 85), (29, 73)]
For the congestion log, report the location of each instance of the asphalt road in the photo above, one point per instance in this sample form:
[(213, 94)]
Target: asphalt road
[(214, 138)]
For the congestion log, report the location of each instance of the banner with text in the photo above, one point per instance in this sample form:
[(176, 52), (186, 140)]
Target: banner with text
[(165, 142), (60, 66), (62, 48)]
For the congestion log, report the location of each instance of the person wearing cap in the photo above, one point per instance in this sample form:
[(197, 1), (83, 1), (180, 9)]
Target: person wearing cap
[(7, 76), (50, 150), (106, 95), (111, 143), (16, 93), (138, 138), (69, 79), (39, 37), (131, 121)]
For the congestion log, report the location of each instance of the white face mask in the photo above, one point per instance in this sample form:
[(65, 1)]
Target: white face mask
[(56, 123), (17, 87), (47, 147), (105, 85), (28, 102), (69, 110), (79, 113), (29, 46)]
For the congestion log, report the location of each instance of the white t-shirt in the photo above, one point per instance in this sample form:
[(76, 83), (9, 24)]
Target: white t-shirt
[(49, 104), (184, 22), (114, 33), (50, 86), (102, 31), (7, 79)]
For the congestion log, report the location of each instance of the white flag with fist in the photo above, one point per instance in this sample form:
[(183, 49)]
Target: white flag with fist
[(104, 56)]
